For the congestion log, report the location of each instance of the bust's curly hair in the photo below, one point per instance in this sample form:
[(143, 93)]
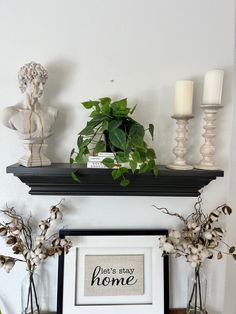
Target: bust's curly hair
[(29, 72)]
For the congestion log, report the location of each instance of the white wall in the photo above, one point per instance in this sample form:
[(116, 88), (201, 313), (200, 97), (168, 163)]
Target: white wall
[(126, 48)]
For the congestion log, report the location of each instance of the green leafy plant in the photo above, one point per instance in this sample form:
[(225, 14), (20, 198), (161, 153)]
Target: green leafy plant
[(112, 129)]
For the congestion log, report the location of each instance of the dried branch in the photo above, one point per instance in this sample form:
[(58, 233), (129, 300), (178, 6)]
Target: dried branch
[(167, 212)]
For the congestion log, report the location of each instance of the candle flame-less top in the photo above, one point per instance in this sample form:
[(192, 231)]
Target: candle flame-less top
[(213, 85), (183, 98)]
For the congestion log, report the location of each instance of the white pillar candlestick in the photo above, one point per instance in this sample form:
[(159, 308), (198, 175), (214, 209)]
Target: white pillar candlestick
[(183, 98), (181, 148), (207, 150), (213, 85)]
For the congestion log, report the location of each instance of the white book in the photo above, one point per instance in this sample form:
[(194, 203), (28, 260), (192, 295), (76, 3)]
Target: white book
[(95, 158), (106, 154), (95, 164)]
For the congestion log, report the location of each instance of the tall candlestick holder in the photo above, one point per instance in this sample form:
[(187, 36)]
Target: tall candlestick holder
[(207, 150), (180, 149)]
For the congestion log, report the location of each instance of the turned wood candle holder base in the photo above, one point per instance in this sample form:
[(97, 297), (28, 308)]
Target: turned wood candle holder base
[(208, 149), (180, 149), (180, 167)]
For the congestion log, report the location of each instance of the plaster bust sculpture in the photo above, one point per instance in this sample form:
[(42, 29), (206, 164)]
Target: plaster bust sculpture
[(32, 121)]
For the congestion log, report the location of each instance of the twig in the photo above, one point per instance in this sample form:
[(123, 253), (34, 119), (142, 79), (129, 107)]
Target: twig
[(167, 212)]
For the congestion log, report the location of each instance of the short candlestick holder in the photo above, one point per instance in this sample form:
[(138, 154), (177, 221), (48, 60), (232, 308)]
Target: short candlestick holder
[(180, 149), (207, 150)]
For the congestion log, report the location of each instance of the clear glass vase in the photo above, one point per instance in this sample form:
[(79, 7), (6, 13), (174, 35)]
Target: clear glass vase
[(31, 294), (197, 288)]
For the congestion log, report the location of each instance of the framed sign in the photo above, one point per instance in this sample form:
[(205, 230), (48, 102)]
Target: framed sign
[(113, 271)]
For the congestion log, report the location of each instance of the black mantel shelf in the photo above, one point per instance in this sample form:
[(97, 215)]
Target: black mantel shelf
[(56, 180)]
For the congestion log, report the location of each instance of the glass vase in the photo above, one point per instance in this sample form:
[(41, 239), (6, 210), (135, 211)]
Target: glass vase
[(31, 294), (197, 288)]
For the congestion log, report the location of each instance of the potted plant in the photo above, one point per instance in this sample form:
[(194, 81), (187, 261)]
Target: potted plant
[(112, 129)]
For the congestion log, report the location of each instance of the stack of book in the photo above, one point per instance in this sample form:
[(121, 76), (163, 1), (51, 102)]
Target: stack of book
[(96, 161)]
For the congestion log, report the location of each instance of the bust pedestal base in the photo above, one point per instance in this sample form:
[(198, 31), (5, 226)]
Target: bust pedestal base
[(34, 156)]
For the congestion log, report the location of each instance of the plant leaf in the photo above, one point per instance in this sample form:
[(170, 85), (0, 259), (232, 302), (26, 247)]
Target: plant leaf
[(124, 170), (105, 102), (151, 153), (114, 124), (143, 168), (234, 256), (151, 130), (89, 104), (88, 130), (79, 140), (108, 162), (100, 147), (116, 174), (75, 177), (124, 182), (118, 138), (100, 117), (232, 249), (119, 104), (155, 171), (122, 157), (219, 255), (133, 165), (136, 134), (119, 108), (136, 156), (104, 126)]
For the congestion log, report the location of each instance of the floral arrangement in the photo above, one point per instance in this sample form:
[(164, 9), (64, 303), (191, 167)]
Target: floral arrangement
[(200, 238), (33, 248)]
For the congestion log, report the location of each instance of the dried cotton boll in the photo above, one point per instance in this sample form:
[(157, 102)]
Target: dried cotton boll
[(200, 247), (63, 242), (42, 256), (207, 235), (55, 213), (38, 251), (197, 229), (15, 231), (36, 260), (168, 247), (175, 234), (39, 240), (56, 242), (162, 240), (32, 254), (44, 225), (189, 225), (194, 250)]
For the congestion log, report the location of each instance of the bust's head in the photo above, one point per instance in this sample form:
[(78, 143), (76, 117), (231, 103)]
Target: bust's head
[(32, 77)]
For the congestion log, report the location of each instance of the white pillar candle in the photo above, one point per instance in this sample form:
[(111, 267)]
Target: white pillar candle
[(213, 84), (183, 98)]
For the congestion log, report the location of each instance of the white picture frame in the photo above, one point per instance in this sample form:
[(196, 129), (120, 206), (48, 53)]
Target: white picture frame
[(113, 244)]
